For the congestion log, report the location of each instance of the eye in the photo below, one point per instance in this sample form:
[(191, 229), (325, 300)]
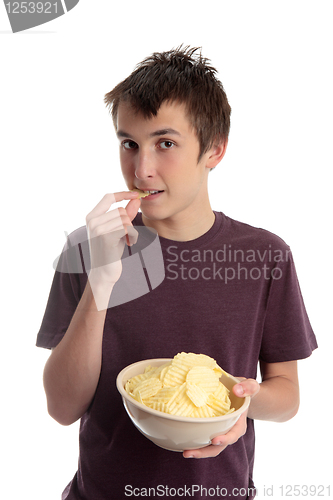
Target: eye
[(166, 144), (128, 144)]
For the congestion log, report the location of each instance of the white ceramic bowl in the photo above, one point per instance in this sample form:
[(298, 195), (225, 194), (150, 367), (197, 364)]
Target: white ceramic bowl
[(172, 432)]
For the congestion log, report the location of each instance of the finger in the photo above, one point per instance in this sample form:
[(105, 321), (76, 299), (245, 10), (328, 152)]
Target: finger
[(237, 431), (131, 236), (248, 387), (132, 208), (206, 452), (126, 195), (111, 228), (108, 200), (219, 443), (117, 215)]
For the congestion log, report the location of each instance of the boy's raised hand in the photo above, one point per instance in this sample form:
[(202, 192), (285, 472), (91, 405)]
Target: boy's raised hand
[(108, 232)]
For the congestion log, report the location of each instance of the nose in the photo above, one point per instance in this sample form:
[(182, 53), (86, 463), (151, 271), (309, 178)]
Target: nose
[(144, 165)]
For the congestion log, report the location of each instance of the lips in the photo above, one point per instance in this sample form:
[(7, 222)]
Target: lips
[(148, 193)]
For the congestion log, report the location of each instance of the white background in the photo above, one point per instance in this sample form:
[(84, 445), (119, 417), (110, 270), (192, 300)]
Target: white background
[(59, 156)]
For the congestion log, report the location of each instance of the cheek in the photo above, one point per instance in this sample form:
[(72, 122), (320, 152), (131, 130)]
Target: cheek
[(177, 165), (125, 167)]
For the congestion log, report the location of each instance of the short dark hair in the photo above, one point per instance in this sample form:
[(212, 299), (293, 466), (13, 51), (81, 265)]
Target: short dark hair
[(180, 75)]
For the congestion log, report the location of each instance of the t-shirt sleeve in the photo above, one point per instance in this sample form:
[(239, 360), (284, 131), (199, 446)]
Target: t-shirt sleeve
[(66, 291), (287, 333)]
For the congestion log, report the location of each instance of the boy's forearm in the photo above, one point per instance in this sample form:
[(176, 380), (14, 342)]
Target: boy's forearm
[(72, 371), (277, 400)]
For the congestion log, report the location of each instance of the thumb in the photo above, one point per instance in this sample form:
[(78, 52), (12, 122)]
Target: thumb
[(132, 208), (247, 387)]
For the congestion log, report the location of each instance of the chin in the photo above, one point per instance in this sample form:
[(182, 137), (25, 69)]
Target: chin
[(153, 214), (150, 216)]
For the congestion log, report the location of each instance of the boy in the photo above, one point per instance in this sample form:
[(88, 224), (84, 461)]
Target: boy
[(230, 291)]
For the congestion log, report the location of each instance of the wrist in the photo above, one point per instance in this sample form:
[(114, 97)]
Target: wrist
[(100, 291)]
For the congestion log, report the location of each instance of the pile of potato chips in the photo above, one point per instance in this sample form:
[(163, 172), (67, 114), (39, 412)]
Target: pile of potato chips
[(187, 386)]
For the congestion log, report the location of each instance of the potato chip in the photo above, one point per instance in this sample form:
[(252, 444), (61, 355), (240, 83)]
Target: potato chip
[(164, 370), (183, 408), (190, 360), (203, 412), (157, 405), (164, 395), (197, 394), (188, 386), (148, 387), (138, 397), (221, 392), (219, 407), (229, 411), (204, 377), (174, 376), (161, 369), (180, 404), (178, 394), (135, 381), (142, 194)]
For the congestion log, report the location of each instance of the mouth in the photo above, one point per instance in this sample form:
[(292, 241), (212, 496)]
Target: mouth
[(149, 193)]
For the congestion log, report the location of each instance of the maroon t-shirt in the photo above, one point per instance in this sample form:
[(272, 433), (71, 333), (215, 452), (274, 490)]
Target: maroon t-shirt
[(232, 294)]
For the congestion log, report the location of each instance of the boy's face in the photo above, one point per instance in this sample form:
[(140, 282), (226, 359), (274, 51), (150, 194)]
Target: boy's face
[(161, 154)]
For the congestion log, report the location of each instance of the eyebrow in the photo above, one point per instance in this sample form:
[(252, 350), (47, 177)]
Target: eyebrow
[(156, 133)]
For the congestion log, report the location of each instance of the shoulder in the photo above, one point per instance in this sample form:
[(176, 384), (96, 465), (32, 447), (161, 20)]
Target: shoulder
[(245, 234), (77, 236), (75, 255)]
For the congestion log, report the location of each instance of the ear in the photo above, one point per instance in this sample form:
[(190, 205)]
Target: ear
[(216, 153)]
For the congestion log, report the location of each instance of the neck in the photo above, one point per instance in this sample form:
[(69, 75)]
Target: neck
[(183, 227)]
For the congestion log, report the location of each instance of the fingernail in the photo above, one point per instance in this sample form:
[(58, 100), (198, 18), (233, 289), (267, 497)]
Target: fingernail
[(190, 456), (239, 389), (217, 444)]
